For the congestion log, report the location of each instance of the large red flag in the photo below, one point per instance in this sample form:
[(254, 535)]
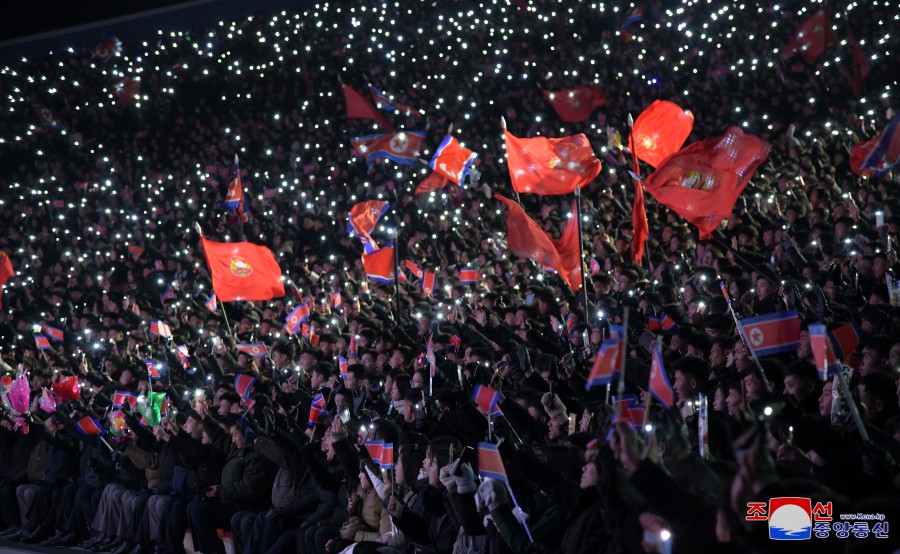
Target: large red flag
[(813, 37), (527, 240), (243, 271), (575, 105), (434, 181), (360, 108), (702, 182), (858, 154), (6, 272), (660, 131), (861, 65), (380, 266), (543, 165)]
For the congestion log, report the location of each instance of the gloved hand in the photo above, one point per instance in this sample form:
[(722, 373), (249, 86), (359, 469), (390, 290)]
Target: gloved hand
[(493, 494), (555, 408), (446, 479), (465, 479)]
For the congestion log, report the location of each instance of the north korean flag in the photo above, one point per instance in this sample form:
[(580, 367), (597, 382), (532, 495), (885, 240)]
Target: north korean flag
[(253, 349), (468, 275), (490, 464), (773, 333)]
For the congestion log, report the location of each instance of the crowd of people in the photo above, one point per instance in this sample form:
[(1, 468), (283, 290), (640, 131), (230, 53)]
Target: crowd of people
[(133, 436)]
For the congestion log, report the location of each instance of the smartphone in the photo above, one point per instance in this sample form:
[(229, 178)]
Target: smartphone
[(529, 299)]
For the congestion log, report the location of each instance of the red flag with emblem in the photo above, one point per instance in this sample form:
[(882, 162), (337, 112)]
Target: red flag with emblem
[(243, 271), (434, 181), (541, 165), (574, 105), (660, 131), (813, 37), (453, 160), (703, 181), (528, 240), (360, 108)]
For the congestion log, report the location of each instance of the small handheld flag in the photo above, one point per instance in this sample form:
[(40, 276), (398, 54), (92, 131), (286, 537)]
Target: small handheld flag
[(374, 448), (160, 329), (486, 398), (490, 464), (343, 366), (253, 349), (41, 342), (468, 275), (53, 332), (89, 426), (211, 303), (387, 456), (243, 384), (120, 398), (659, 386), (772, 333)]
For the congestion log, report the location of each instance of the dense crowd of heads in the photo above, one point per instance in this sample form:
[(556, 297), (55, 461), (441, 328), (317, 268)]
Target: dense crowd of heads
[(103, 186)]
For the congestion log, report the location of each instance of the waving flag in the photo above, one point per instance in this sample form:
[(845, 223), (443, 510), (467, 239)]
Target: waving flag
[(53, 332), (660, 131), (845, 340), (6, 271), (490, 464), (702, 182), (634, 15), (528, 240), (595, 266), (772, 333), (452, 160), (428, 283), (121, 397), (543, 165), (316, 408), (167, 295), (211, 304), (382, 102), (379, 266), (820, 342), (359, 108), (126, 89), (184, 356), (861, 65), (607, 363), (89, 426), (160, 329), (334, 297), (253, 349), (243, 271), (41, 342), (353, 348), (362, 219), (574, 105), (885, 151), (106, 50), (468, 276), (628, 409), (402, 147), (297, 316), (343, 367), (434, 181), (387, 456), (374, 448), (152, 369), (659, 385), (485, 398), (813, 37), (416, 271), (243, 384), (234, 196), (309, 335)]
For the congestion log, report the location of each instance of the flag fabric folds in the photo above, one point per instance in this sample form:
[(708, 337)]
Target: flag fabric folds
[(89, 426), (53, 332), (362, 219), (607, 363), (387, 456), (243, 271), (297, 316), (357, 107), (452, 160), (253, 349), (702, 181), (120, 398), (234, 196), (528, 240), (884, 153), (211, 303), (383, 102), (402, 147), (490, 464), (574, 105), (827, 361), (659, 385), (844, 340), (772, 333), (379, 265), (485, 398), (813, 37), (374, 449), (541, 165), (315, 409), (660, 131), (243, 384), (6, 271), (160, 329), (41, 342)]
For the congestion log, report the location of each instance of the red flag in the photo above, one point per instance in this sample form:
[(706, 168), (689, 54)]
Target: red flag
[(363, 217), (858, 154), (490, 464), (89, 426), (434, 181), (6, 272), (659, 385), (453, 160), (543, 165), (243, 271), (360, 108), (527, 240), (772, 333), (861, 65), (243, 384), (126, 89), (379, 265), (702, 181), (575, 105), (813, 37), (641, 229), (660, 131)]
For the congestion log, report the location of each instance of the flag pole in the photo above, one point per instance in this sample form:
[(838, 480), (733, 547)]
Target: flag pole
[(584, 294), (240, 214), (740, 329), (397, 265), (621, 388)]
